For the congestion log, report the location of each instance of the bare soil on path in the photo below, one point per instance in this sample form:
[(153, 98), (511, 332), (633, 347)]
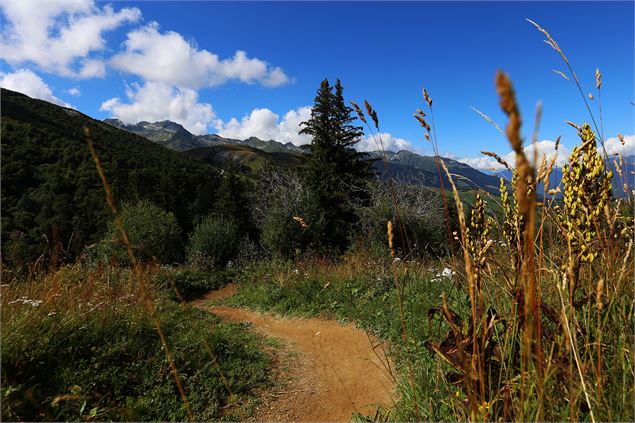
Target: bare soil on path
[(328, 370)]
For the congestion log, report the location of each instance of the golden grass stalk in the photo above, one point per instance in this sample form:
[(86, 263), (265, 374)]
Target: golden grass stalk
[(390, 238), (469, 271), (497, 158), (372, 113), (301, 222), (359, 112), (526, 196), (437, 158), (554, 45)]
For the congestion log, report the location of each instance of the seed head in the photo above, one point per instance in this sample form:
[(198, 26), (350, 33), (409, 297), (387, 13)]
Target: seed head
[(359, 112), (427, 98), (301, 222), (390, 238)]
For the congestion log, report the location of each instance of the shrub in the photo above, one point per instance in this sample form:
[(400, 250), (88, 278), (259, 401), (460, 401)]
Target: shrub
[(286, 214), (190, 283), (422, 216), (214, 242), (153, 232)]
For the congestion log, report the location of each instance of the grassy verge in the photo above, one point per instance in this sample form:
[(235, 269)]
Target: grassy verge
[(363, 290), (79, 345)]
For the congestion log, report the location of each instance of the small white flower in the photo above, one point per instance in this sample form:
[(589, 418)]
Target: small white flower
[(446, 273)]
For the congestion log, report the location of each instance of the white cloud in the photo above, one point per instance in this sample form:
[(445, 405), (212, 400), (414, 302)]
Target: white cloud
[(483, 162), (614, 146), (92, 68), (266, 125), (546, 147), (28, 83), (75, 91), (54, 35), (167, 57), (156, 101), (385, 139)]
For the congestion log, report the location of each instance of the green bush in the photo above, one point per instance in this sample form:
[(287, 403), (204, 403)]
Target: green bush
[(284, 236), (282, 200), (153, 232), (423, 229), (214, 242), (191, 283)]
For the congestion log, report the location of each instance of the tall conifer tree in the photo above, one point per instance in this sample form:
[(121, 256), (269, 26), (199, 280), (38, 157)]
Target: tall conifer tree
[(336, 173)]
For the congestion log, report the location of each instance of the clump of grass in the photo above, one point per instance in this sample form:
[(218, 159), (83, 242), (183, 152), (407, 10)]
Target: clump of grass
[(79, 344), (556, 359)]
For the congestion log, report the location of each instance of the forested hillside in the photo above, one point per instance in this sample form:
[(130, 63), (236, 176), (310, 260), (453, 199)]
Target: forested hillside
[(51, 192)]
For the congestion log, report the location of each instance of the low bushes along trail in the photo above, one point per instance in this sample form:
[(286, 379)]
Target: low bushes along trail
[(334, 372)]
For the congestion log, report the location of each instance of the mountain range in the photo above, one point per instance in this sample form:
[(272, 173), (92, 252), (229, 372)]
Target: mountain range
[(405, 166), (176, 137), (50, 192), (252, 153)]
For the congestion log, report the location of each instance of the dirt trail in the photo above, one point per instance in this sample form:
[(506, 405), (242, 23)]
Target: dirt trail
[(335, 373)]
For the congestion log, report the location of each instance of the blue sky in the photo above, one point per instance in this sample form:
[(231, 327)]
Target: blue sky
[(179, 61)]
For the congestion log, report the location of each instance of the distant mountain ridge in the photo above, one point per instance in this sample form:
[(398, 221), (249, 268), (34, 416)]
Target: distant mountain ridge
[(176, 137), (404, 165)]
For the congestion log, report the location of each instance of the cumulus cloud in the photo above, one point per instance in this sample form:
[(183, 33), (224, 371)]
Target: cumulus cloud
[(167, 57), (614, 145), (55, 35), (266, 125), (157, 101), (26, 82), (483, 162), (75, 91), (546, 147), (389, 142)]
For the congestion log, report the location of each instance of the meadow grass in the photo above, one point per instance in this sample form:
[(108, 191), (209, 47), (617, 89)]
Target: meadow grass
[(360, 288), (79, 344)]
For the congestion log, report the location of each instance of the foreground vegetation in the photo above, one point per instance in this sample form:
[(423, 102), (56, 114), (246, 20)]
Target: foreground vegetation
[(497, 308), (80, 344)]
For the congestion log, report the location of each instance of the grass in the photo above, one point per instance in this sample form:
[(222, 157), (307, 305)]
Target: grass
[(362, 289), (78, 344)]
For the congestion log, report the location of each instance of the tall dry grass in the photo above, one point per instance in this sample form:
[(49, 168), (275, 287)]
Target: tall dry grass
[(547, 339)]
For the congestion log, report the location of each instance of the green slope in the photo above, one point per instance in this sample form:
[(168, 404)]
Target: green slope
[(409, 167), (51, 190), (249, 160)]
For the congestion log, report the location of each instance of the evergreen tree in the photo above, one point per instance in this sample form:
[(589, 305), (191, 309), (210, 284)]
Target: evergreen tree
[(336, 173), (233, 201)]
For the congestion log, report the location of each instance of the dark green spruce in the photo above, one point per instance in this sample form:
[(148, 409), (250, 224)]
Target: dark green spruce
[(336, 173)]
